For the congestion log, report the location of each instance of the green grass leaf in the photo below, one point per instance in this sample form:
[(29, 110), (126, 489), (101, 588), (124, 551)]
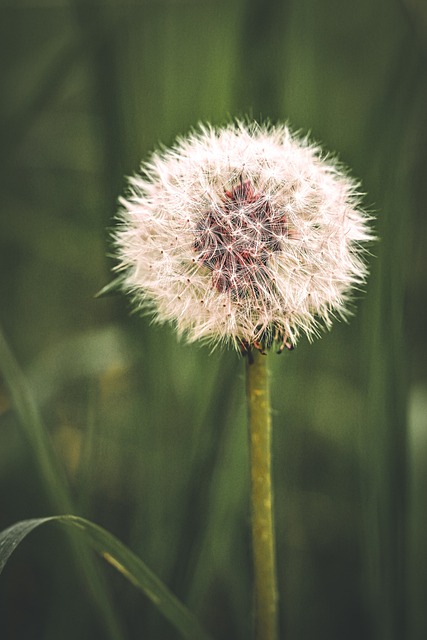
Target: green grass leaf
[(54, 479), (121, 558)]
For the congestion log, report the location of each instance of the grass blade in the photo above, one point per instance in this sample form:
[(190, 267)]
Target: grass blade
[(53, 477), (122, 559)]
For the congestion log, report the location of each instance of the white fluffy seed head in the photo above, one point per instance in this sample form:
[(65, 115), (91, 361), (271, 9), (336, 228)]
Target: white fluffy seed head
[(243, 234)]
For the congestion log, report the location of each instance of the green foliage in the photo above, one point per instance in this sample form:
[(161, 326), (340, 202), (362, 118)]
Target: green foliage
[(112, 420), (121, 558)]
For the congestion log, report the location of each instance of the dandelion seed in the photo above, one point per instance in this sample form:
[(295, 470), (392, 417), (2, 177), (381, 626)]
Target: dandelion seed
[(245, 235), (250, 220)]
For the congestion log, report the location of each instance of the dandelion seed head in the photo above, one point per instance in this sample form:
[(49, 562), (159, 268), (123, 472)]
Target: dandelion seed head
[(243, 234)]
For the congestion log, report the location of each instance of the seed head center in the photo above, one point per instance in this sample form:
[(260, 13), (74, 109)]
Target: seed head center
[(236, 240)]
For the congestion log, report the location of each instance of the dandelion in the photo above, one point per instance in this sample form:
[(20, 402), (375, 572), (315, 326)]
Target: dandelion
[(244, 235)]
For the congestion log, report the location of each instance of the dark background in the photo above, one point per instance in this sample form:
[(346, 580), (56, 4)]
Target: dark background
[(151, 434)]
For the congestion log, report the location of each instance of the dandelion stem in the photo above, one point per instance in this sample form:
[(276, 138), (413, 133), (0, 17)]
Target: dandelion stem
[(266, 619)]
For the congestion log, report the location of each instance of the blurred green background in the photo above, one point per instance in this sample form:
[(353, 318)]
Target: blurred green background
[(151, 434)]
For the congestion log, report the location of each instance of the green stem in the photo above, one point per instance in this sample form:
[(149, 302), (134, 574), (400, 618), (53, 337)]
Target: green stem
[(266, 618)]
